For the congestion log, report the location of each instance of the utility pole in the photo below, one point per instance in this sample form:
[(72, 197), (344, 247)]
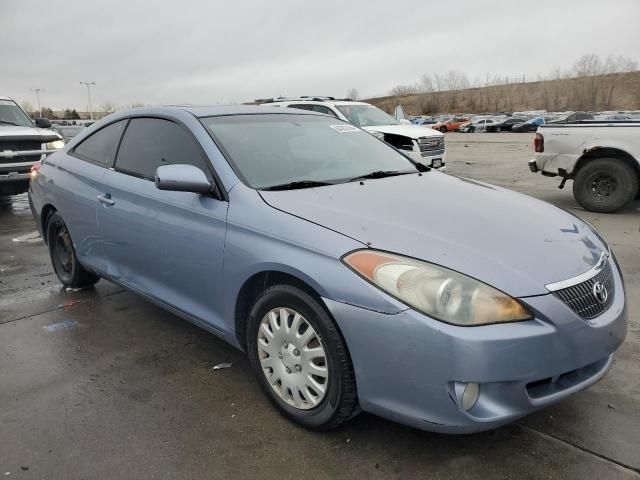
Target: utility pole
[(38, 90), (88, 85)]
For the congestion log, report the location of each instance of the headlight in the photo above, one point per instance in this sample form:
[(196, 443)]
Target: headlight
[(55, 145), (436, 291)]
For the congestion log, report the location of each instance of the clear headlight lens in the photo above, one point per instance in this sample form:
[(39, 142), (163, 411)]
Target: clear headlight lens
[(436, 291), (55, 144)]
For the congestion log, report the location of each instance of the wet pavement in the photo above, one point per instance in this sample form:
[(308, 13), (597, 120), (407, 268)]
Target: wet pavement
[(102, 384)]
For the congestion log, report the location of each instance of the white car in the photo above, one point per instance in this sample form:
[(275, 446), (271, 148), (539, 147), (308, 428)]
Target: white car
[(602, 159), (422, 144)]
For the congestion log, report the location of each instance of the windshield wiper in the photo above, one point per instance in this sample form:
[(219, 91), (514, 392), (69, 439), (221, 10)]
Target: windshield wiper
[(380, 174), (297, 184), (10, 123)]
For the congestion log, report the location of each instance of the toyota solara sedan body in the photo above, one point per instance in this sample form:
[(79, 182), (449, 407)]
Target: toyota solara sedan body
[(310, 244)]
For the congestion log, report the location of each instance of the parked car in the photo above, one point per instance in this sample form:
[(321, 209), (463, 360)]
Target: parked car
[(22, 144), (602, 159), (423, 120), (420, 143), (477, 126), (450, 125), (287, 233), (68, 131), (574, 117), (528, 126), (505, 125)]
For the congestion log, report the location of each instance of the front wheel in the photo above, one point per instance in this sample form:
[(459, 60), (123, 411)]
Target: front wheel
[(300, 358), (605, 185), (443, 129), (63, 256)]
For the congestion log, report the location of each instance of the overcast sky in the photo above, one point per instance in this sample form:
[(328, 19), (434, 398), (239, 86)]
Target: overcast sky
[(182, 51)]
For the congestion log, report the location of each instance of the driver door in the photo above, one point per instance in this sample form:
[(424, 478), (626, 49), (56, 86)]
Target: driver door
[(165, 244)]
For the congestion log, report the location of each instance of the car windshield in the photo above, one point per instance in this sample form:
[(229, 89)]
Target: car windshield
[(71, 131), (268, 150), (366, 115), (11, 114)]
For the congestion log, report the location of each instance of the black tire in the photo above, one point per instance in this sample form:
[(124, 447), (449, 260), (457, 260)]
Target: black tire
[(63, 256), (605, 185), (340, 401), (443, 129)]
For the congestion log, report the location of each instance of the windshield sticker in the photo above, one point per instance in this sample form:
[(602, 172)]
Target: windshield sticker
[(344, 128)]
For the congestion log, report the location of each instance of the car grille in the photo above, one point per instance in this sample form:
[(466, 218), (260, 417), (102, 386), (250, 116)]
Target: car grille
[(431, 146), (16, 145), (581, 297)]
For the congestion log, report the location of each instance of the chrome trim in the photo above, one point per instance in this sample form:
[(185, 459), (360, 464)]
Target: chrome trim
[(583, 277), (4, 166), (25, 153), (13, 176)]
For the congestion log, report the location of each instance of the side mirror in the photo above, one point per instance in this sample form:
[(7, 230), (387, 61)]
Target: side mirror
[(43, 123), (182, 178)]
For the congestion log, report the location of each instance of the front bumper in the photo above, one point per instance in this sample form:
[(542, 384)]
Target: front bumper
[(407, 365), (429, 160)]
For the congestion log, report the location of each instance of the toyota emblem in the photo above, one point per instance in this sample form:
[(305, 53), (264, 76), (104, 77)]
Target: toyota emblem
[(600, 292)]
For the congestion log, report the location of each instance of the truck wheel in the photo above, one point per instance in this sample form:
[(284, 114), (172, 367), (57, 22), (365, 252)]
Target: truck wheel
[(63, 256), (605, 185)]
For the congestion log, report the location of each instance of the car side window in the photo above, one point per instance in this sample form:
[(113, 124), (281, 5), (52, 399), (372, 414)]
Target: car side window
[(101, 146), (323, 109), (149, 143), (302, 106)]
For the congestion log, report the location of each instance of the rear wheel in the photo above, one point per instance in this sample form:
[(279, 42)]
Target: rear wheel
[(605, 185), (63, 256), (443, 129), (300, 358)]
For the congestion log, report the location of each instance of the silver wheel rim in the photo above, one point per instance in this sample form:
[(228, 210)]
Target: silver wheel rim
[(293, 358)]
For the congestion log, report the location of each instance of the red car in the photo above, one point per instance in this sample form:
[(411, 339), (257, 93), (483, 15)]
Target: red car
[(450, 125)]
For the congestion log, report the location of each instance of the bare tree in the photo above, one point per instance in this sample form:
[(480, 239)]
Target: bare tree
[(403, 90), (455, 81), (429, 94), (27, 107), (353, 94), (108, 107)]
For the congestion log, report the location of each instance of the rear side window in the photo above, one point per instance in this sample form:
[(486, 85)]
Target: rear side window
[(323, 109), (150, 143), (101, 147), (302, 106)]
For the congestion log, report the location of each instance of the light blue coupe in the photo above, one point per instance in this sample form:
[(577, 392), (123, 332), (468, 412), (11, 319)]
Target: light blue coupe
[(353, 277)]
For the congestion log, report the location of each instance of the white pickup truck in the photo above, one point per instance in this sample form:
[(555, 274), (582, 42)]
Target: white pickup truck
[(602, 159), (22, 144)]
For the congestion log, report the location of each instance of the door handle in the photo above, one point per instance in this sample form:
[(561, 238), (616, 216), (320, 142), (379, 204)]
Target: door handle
[(106, 199)]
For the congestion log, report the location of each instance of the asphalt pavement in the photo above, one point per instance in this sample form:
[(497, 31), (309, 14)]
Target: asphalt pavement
[(100, 384)]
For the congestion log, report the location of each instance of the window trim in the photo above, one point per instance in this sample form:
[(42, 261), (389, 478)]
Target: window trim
[(222, 192), (79, 156)]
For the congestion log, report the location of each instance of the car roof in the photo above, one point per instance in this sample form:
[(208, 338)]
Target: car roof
[(317, 102), (201, 111)]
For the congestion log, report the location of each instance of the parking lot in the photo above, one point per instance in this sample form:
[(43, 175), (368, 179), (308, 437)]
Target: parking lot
[(102, 384)]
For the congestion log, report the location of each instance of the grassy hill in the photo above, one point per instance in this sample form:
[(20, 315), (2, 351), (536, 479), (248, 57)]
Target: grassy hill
[(617, 91)]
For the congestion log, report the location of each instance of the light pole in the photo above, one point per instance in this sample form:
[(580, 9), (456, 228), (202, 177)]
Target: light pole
[(87, 84), (38, 90)]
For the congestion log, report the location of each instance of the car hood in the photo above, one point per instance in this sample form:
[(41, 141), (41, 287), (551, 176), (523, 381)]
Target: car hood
[(27, 132), (411, 131), (510, 241)]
